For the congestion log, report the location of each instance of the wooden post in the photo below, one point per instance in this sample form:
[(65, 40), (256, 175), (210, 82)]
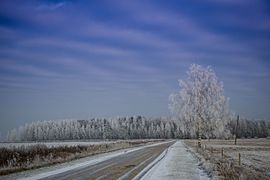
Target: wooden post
[(222, 153), (211, 149), (236, 130), (199, 143), (239, 159), (104, 135), (199, 134)]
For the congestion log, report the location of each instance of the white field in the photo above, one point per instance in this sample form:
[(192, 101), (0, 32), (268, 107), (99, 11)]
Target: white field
[(258, 160), (55, 144), (68, 143), (255, 153)]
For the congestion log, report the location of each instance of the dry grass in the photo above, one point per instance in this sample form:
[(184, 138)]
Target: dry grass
[(29, 157), (255, 158)]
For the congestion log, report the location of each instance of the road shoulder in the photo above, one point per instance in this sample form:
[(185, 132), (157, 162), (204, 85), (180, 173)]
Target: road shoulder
[(178, 163)]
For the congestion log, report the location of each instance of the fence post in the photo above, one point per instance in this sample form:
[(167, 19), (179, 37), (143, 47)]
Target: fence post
[(199, 135), (239, 159), (222, 153), (236, 129)]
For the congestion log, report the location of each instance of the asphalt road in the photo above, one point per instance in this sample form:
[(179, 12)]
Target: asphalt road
[(125, 166)]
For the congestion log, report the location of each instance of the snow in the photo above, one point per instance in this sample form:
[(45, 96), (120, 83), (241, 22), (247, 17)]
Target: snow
[(178, 163), (258, 159), (55, 143), (76, 164)]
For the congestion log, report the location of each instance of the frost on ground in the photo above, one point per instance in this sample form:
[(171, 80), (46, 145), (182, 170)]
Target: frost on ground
[(255, 153), (178, 163), (55, 144), (254, 158), (18, 158), (51, 144), (258, 160)]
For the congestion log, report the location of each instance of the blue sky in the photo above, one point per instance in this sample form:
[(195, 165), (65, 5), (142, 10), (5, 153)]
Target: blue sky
[(81, 59)]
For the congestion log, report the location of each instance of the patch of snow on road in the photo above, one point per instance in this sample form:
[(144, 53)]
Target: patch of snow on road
[(177, 164)]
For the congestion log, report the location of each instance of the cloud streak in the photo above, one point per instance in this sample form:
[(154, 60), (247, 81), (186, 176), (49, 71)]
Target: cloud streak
[(52, 6)]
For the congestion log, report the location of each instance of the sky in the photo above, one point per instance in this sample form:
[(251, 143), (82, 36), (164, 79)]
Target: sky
[(82, 59)]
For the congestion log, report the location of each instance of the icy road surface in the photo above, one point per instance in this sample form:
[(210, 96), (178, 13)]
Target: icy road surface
[(178, 163)]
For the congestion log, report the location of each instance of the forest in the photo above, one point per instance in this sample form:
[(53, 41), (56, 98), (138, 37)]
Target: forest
[(133, 127)]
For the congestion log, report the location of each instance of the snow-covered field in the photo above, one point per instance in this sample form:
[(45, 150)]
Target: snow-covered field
[(254, 154), (55, 144), (68, 143), (258, 160)]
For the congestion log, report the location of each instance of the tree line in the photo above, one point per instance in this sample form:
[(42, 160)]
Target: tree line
[(250, 128), (133, 127)]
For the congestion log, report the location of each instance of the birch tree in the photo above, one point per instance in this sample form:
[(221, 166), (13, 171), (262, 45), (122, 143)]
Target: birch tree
[(200, 105)]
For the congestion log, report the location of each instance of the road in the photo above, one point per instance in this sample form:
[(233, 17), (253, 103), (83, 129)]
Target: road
[(125, 166)]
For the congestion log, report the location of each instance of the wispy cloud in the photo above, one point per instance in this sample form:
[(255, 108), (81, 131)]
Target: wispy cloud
[(75, 45), (28, 69), (185, 26), (51, 6)]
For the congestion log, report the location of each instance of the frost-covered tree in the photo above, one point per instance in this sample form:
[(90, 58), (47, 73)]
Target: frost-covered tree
[(200, 105)]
